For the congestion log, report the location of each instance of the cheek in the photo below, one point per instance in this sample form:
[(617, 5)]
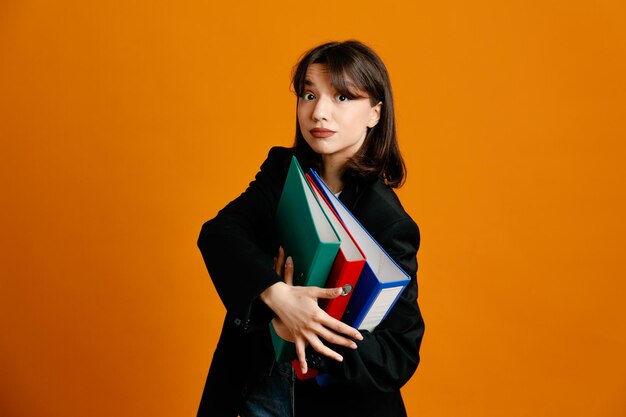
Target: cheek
[(359, 120), (301, 113), (301, 124)]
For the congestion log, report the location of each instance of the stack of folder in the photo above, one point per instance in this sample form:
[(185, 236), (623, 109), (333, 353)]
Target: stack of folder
[(330, 248)]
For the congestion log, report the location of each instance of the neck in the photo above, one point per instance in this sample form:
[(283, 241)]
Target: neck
[(331, 174)]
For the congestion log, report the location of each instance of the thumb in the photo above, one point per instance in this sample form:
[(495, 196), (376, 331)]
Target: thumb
[(326, 292), (289, 271)]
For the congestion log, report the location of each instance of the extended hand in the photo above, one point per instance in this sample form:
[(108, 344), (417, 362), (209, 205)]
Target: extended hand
[(301, 320)]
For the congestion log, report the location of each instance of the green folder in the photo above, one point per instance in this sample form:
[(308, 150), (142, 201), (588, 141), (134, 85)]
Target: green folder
[(308, 237)]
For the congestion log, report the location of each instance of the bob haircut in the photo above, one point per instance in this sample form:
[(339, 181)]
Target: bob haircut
[(350, 65)]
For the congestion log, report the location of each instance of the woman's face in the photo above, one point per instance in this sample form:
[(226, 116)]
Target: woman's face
[(332, 124)]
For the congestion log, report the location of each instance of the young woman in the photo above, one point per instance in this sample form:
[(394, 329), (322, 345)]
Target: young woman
[(346, 130)]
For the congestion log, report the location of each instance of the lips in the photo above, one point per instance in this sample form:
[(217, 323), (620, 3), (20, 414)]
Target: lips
[(321, 133)]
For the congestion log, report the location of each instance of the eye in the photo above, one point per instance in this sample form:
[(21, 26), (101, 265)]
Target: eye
[(308, 96), (341, 97)]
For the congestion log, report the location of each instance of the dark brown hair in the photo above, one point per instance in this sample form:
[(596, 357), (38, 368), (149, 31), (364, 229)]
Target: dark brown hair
[(379, 156)]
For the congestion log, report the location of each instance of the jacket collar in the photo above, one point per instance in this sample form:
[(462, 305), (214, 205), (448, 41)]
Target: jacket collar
[(353, 189)]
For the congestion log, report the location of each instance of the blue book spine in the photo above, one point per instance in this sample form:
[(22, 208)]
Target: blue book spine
[(365, 293)]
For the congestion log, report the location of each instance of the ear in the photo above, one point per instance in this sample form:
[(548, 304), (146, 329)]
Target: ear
[(375, 115)]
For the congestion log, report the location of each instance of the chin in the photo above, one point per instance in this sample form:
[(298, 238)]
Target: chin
[(320, 146)]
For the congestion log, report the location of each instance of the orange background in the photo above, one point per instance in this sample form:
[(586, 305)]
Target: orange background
[(119, 119)]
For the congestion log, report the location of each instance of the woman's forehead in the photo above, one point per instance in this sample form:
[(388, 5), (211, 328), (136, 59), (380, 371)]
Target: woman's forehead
[(320, 74)]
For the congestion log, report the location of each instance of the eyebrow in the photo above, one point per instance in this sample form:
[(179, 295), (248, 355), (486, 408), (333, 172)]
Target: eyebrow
[(349, 88)]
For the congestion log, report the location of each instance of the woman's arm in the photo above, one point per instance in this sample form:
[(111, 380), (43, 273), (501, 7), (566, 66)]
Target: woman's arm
[(230, 243), (243, 273)]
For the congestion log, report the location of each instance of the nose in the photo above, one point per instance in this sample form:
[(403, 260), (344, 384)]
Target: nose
[(321, 111)]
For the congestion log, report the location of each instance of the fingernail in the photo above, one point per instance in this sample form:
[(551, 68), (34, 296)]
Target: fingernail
[(289, 261), (346, 289), (353, 346)]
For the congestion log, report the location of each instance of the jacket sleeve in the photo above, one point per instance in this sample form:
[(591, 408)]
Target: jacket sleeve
[(387, 357), (231, 243)]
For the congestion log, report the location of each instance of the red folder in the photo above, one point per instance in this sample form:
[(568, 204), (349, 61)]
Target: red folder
[(348, 264)]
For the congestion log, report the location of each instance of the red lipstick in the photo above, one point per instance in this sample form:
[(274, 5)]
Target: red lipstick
[(321, 133)]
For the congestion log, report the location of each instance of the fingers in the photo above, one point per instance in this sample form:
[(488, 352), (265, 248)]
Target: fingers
[(330, 322), (300, 351), (318, 292), (321, 348), (339, 327), (289, 271), (335, 339), (279, 261), (327, 322), (312, 337)]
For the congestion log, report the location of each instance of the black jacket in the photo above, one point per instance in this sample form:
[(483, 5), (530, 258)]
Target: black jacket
[(238, 247)]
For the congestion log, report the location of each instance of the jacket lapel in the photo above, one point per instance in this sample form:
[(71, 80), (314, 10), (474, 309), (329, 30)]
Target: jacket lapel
[(353, 190)]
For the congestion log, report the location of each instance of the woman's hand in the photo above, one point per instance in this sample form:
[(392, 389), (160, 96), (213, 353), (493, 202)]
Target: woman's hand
[(300, 319)]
